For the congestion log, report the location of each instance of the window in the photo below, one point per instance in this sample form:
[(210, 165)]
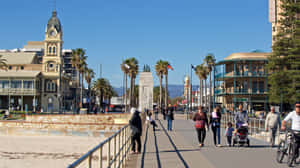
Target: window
[(54, 50), (4, 84), (27, 84), (16, 84), (51, 86), (10, 67), (50, 50), (50, 65), (22, 67), (274, 29)]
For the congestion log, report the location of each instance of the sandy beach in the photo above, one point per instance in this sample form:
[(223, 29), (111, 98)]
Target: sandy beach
[(43, 151)]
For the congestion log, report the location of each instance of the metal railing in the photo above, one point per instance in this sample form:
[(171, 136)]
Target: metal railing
[(117, 148)]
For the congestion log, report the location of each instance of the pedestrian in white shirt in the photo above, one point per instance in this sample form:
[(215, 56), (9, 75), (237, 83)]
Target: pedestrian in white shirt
[(295, 117)]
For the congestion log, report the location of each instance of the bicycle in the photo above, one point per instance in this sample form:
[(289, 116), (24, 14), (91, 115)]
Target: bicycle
[(286, 147)]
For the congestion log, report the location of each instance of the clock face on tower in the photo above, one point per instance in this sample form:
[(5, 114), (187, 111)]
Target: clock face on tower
[(52, 33)]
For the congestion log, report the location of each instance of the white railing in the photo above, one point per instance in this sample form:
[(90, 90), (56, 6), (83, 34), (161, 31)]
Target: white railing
[(117, 147)]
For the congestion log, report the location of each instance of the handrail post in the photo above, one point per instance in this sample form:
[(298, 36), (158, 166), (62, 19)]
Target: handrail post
[(108, 154), (124, 148), (119, 135), (115, 151), (90, 160), (100, 157)]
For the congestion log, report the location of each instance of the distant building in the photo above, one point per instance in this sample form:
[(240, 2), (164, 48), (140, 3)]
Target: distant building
[(241, 78), (40, 75)]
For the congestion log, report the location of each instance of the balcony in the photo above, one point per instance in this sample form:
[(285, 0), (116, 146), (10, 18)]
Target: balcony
[(221, 76), (239, 92), (19, 91)]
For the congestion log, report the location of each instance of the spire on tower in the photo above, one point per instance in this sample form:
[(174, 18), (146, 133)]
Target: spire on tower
[(54, 5)]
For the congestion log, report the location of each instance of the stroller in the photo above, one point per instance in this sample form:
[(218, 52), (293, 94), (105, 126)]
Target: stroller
[(241, 135)]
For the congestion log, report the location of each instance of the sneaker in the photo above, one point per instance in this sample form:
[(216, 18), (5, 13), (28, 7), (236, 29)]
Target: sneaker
[(200, 145), (219, 145)]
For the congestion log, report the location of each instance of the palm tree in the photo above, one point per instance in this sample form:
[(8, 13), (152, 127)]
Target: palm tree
[(200, 71), (75, 60), (3, 64), (89, 75), (101, 87), (82, 69), (165, 72), (159, 69), (133, 71), (210, 62), (125, 69)]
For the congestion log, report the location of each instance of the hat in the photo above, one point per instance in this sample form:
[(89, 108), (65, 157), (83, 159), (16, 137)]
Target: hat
[(132, 110)]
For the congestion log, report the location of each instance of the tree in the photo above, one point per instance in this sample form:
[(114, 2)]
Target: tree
[(82, 69), (284, 62), (89, 75), (156, 94), (200, 71), (133, 71), (176, 99), (159, 69), (75, 61), (165, 72), (3, 64), (125, 69), (210, 62), (103, 89)]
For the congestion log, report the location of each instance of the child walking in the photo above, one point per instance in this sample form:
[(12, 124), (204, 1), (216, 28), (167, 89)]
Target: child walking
[(228, 133)]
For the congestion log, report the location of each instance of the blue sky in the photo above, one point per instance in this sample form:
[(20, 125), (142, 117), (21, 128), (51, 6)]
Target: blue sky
[(179, 31)]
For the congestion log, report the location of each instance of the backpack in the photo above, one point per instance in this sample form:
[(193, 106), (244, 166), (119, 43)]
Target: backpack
[(200, 124)]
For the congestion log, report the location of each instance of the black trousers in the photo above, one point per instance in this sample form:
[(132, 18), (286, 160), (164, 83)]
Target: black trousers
[(136, 138), (201, 134), (297, 145), (229, 140)]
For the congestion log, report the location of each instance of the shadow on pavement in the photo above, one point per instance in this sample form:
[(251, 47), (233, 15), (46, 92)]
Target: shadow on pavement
[(144, 148), (174, 146), (156, 150)]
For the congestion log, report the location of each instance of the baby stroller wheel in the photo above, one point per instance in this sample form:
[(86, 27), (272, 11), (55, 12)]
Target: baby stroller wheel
[(234, 142)]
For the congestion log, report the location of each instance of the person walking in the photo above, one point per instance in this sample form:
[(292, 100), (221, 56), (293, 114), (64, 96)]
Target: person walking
[(215, 122), (136, 130), (228, 133), (241, 117), (271, 125), (201, 125), (169, 117)]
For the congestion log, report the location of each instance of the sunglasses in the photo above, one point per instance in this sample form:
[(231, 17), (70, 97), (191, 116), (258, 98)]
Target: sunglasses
[(297, 106)]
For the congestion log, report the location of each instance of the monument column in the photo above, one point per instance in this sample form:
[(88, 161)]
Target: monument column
[(146, 91)]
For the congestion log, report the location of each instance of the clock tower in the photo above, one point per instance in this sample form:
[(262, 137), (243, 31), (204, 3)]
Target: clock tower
[(52, 65)]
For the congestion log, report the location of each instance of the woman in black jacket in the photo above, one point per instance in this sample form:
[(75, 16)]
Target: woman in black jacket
[(136, 130), (215, 122)]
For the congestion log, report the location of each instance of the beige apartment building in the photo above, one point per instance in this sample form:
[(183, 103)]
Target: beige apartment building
[(39, 76)]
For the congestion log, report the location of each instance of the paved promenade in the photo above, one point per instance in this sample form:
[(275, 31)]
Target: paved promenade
[(179, 148)]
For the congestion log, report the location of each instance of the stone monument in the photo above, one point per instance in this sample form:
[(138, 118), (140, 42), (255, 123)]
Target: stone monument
[(146, 91)]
